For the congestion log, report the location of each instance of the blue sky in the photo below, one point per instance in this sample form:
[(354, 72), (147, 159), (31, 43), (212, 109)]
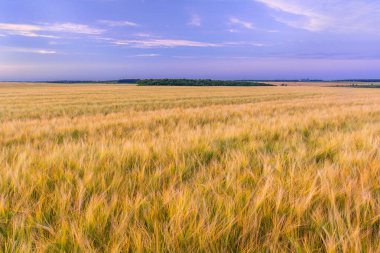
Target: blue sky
[(220, 39)]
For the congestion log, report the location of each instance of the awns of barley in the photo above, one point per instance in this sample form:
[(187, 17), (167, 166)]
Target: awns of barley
[(107, 168)]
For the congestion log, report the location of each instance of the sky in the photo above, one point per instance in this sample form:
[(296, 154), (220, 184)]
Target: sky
[(217, 39)]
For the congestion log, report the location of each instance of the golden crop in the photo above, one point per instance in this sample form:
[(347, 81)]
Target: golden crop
[(107, 168)]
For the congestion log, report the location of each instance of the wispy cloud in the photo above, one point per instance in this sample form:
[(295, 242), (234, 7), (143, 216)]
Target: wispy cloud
[(28, 50), (233, 30), (145, 35), (163, 43), (245, 43), (148, 55), (242, 23), (114, 23), (195, 21), (46, 30), (43, 51), (233, 21), (304, 15), (72, 28), (22, 30), (171, 43), (327, 15)]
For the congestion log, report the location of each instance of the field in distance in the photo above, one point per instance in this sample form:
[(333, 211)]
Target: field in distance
[(113, 168), (326, 83)]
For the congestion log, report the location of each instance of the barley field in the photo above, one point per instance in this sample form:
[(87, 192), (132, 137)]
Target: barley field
[(108, 168), (325, 83)]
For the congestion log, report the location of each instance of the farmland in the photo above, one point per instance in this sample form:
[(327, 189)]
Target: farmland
[(368, 84), (113, 168)]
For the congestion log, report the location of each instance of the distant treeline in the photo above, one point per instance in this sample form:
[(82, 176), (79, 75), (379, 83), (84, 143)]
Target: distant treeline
[(201, 82), (286, 80), (361, 80), (197, 82), (362, 86), (128, 81), (121, 81)]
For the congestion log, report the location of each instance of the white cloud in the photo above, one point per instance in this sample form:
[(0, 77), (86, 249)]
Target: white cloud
[(55, 42), (28, 50), (72, 28), (233, 30), (148, 55), (43, 51), (245, 24), (21, 29), (245, 43), (169, 43), (114, 23), (327, 15), (145, 35), (33, 30), (195, 21), (233, 21)]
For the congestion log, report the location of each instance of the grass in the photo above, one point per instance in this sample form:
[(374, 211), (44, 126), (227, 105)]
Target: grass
[(108, 168)]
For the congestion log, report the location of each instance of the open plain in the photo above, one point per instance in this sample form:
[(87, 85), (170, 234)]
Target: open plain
[(110, 168)]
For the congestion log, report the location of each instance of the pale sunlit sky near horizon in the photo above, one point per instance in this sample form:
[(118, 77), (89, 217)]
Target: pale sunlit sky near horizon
[(218, 39)]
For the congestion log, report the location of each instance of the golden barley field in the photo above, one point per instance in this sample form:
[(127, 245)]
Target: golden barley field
[(324, 83), (108, 168)]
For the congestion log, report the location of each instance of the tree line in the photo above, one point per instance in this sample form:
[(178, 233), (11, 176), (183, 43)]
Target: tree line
[(197, 82)]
